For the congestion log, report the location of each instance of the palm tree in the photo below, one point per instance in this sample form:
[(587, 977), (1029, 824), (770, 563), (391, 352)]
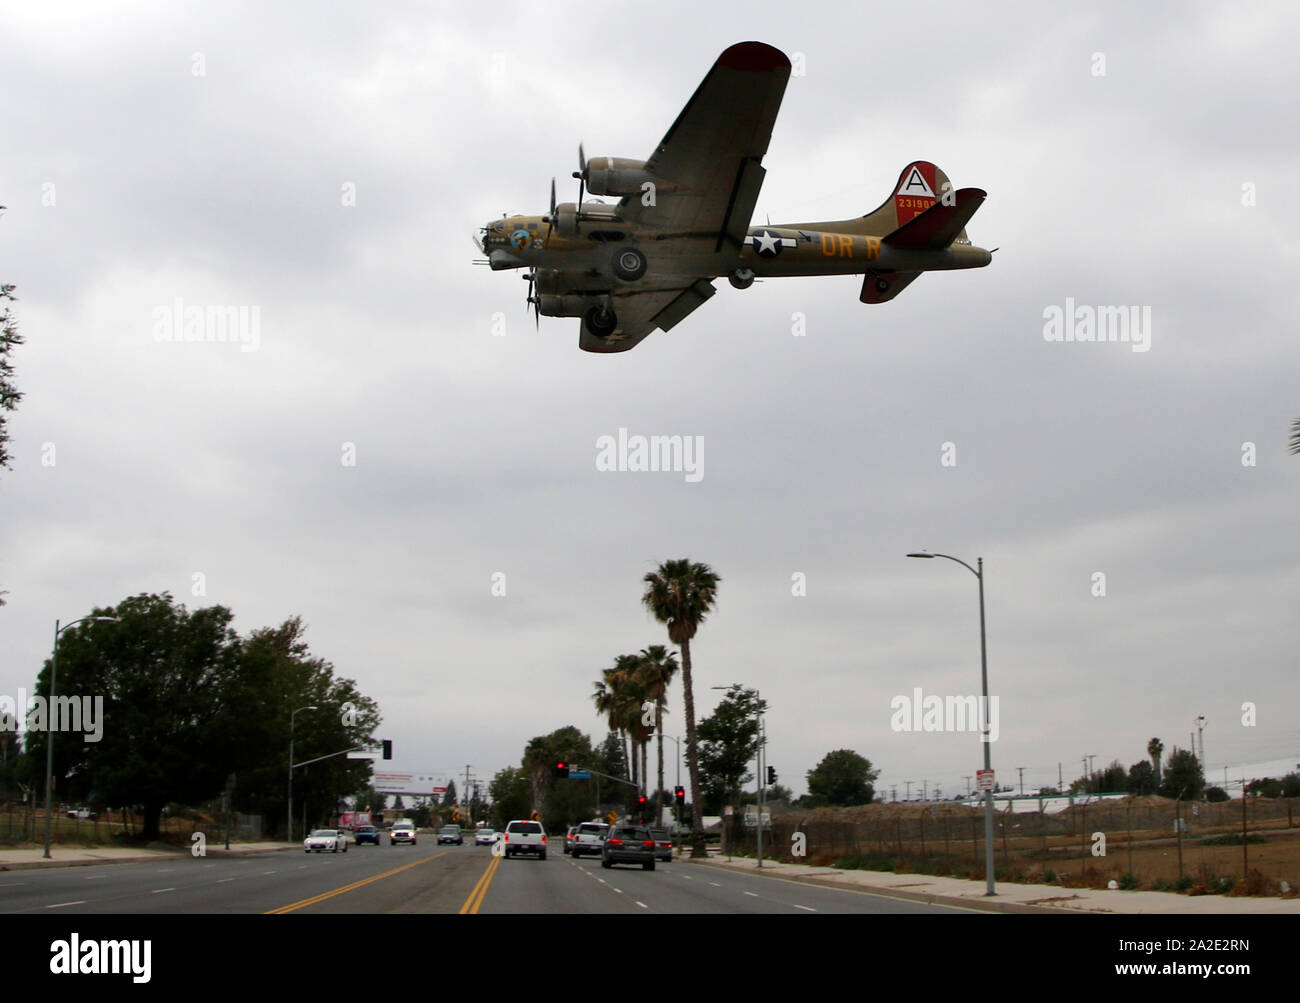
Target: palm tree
[(1154, 748), (681, 595), (615, 696), (1295, 436), (657, 668)]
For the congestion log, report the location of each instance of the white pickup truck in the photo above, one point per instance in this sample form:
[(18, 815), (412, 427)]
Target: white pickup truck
[(525, 836), (589, 840)]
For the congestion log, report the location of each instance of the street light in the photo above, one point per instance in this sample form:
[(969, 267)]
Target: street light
[(984, 678), (49, 722), (292, 714), (679, 755)]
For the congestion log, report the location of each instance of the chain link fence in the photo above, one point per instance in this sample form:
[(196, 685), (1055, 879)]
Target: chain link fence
[(1151, 839)]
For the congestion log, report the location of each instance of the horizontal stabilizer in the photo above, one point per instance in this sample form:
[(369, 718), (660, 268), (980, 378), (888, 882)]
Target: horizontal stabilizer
[(881, 287), (939, 225)]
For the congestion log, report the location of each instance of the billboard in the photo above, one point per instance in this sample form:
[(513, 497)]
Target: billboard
[(420, 784)]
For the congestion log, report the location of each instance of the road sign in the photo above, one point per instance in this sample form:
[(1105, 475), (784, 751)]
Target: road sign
[(613, 817), (984, 780), (579, 775)]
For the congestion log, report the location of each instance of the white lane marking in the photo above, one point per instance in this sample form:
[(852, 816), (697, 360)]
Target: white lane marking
[(642, 905), (602, 881), (803, 907), (687, 877), (60, 905), (222, 881), (715, 884), (13, 884), (268, 872), (619, 890), (159, 891), (755, 894)]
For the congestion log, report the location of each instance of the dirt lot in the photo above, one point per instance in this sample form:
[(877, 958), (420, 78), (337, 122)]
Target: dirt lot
[(948, 838)]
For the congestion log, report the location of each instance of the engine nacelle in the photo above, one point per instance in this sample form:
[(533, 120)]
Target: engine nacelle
[(562, 306), (621, 176), (565, 220)]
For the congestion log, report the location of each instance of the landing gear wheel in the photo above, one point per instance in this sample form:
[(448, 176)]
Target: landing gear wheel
[(629, 264), (601, 321), (741, 278)]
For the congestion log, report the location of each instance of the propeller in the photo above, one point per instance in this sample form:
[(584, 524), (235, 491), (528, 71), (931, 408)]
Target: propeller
[(550, 216), (534, 300), (581, 175)]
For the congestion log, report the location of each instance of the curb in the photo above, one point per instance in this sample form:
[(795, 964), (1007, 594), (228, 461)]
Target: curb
[(926, 898)]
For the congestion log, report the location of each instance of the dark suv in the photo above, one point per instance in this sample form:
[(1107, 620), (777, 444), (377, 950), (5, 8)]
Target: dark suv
[(451, 834), (628, 844)]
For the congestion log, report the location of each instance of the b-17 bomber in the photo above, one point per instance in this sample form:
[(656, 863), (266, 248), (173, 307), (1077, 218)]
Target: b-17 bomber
[(683, 219)]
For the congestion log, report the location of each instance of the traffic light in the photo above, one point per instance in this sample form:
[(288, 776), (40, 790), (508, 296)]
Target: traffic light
[(679, 794), (771, 776), (388, 748), (641, 807), (561, 771)]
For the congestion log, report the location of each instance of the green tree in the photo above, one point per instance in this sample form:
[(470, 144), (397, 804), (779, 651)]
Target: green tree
[(1183, 776), (9, 395), (293, 678), (449, 798), (842, 778), (1155, 748), (1215, 794), (1291, 785), (511, 797), (681, 594), (563, 802), (1141, 778), (612, 759), (179, 714), (1113, 779), (728, 743)]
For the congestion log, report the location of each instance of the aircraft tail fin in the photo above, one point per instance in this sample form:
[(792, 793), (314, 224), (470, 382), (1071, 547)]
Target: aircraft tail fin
[(940, 224)]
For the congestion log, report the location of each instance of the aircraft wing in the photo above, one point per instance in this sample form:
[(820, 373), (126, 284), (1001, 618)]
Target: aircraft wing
[(711, 155), (640, 313)]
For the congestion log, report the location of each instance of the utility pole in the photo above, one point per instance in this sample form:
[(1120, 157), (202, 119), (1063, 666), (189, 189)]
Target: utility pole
[(967, 786), (1021, 771), (1200, 728), (893, 792), (1091, 757), (923, 785), (1060, 780), (909, 789)]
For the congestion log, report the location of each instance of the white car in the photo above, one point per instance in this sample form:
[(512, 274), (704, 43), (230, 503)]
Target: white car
[(485, 837), (326, 839)]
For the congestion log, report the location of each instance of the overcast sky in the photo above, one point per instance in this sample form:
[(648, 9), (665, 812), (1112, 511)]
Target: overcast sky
[(326, 166)]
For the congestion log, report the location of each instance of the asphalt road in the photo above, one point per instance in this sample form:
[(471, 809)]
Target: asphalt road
[(424, 878)]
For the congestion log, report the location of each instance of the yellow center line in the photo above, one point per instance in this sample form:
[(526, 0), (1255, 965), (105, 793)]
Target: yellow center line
[(352, 887), (476, 896)]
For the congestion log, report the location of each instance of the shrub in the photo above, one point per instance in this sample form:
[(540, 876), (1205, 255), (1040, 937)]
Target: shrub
[(1128, 881)]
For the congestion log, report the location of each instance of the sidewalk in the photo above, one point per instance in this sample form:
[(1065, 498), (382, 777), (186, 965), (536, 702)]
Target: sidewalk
[(63, 855), (1011, 897)]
